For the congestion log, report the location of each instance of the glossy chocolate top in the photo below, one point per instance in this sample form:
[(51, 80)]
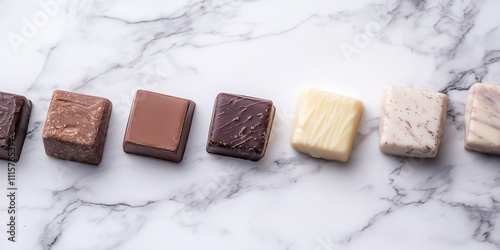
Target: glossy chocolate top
[(157, 120), (10, 115), (241, 123)]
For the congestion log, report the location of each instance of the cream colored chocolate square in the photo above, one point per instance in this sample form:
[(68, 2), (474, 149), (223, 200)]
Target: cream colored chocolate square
[(482, 119), (325, 124), (411, 122)]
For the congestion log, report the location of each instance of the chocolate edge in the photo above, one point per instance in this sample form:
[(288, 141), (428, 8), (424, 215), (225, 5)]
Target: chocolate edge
[(21, 130)]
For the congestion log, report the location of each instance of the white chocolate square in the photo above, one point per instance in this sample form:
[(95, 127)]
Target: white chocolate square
[(325, 124), (482, 119), (411, 122)]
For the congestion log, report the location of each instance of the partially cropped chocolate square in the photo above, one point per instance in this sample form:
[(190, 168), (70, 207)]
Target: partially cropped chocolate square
[(240, 126), (76, 127), (15, 113), (158, 126)]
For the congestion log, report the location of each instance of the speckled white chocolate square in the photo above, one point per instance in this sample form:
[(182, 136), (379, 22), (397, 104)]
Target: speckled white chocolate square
[(482, 119), (411, 122)]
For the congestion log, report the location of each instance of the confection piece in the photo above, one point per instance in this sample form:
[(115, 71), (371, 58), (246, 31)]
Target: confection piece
[(240, 126), (482, 119), (15, 113), (325, 124), (76, 127), (158, 126), (411, 122)]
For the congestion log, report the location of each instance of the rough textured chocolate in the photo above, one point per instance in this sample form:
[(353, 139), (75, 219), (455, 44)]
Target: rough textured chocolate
[(15, 113), (76, 127), (158, 126), (240, 126)]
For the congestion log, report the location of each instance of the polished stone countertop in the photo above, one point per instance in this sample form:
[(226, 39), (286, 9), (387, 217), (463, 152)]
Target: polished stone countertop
[(268, 49)]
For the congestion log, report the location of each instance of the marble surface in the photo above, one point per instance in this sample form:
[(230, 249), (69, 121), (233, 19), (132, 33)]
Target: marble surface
[(269, 49)]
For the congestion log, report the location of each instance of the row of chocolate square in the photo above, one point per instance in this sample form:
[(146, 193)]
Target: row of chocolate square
[(325, 124), (411, 122)]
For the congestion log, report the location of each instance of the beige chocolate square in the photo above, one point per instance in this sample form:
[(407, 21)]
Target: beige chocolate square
[(325, 124)]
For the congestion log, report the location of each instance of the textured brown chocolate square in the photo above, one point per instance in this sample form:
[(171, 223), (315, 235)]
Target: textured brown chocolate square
[(76, 127), (158, 126), (240, 126), (15, 113)]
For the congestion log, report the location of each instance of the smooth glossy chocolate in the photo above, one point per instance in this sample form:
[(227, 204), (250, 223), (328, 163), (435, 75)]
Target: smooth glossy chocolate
[(15, 113), (158, 126), (240, 126), (76, 127)]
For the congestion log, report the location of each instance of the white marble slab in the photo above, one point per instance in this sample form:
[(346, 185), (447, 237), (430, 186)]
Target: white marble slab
[(269, 49)]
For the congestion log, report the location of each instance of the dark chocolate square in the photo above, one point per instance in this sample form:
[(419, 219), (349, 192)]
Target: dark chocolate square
[(15, 113), (158, 126), (240, 126), (76, 127)]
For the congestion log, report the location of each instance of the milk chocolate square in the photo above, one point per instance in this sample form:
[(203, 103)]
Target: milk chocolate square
[(76, 127), (158, 126), (15, 113), (240, 126)]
